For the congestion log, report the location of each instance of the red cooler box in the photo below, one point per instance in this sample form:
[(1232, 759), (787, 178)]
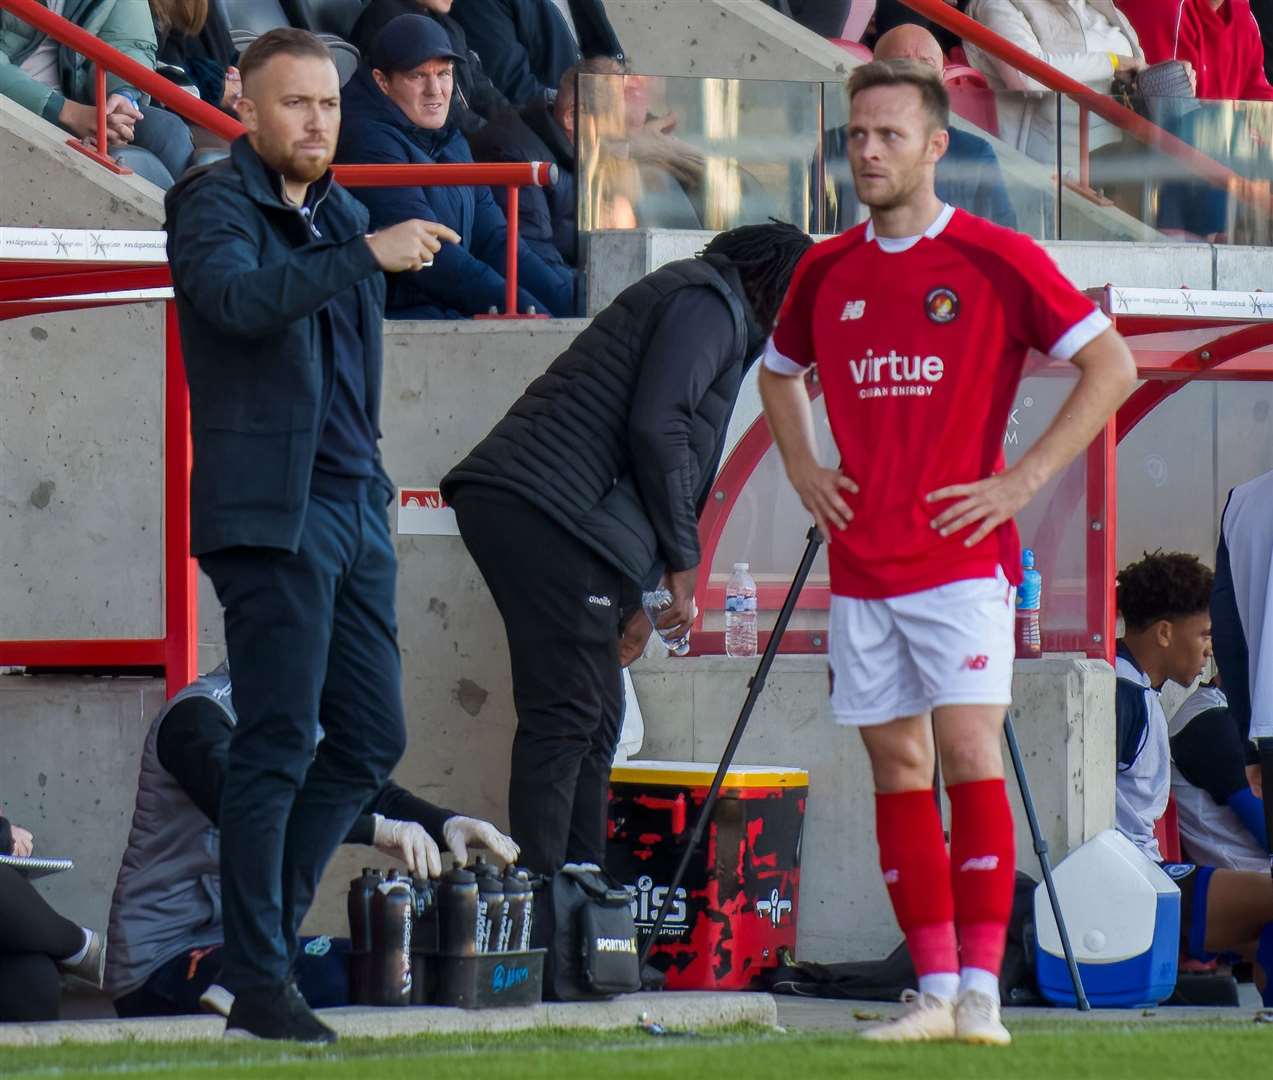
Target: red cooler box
[(739, 901)]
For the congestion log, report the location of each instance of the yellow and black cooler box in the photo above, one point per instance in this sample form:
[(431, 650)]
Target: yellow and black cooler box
[(741, 895)]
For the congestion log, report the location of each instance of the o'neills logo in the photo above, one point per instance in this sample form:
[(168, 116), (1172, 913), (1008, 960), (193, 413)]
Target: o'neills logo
[(616, 944), (896, 376)]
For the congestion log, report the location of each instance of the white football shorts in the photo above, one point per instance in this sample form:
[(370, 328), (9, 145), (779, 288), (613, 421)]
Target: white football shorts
[(905, 655)]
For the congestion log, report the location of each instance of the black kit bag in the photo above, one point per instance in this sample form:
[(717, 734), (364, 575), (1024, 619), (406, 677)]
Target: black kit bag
[(583, 917)]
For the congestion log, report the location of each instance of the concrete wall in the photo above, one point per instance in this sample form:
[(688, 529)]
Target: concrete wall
[(42, 183), (1064, 721), (728, 39)]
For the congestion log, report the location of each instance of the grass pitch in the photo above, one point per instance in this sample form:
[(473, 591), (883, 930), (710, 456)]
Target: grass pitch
[(1052, 1050)]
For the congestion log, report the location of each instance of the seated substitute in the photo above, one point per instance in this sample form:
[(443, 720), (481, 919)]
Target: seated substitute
[(968, 175), (1221, 818), (165, 927), (395, 111), (1165, 603)]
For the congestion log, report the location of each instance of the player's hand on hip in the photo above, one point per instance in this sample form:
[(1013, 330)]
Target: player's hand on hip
[(987, 504), (821, 491), (409, 245), (408, 841), (23, 841)]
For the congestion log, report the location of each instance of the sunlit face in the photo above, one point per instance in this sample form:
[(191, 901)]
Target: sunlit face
[(291, 109), (1187, 644), (892, 145), (423, 94)]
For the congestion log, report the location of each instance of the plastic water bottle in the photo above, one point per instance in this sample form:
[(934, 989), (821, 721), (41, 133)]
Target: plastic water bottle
[(655, 602), (740, 612), (1029, 604)]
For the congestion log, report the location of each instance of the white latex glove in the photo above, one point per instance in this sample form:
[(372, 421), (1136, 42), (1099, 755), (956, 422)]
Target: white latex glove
[(408, 841), (460, 832)]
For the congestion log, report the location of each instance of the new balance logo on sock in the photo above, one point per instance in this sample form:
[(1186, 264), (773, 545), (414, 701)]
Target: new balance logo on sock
[(981, 862), (891, 877)]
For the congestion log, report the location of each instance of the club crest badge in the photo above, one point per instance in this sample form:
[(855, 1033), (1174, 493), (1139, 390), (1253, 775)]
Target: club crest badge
[(942, 305)]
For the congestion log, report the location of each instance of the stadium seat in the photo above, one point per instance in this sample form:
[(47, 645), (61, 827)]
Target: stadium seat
[(252, 16), (853, 48), (1167, 831), (971, 97), (249, 19), (326, 16)]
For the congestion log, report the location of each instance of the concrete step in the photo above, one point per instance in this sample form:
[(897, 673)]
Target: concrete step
[(687, 1010)]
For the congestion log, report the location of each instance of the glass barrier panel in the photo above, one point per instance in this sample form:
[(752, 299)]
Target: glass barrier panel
[(685, 153), (1134, 182), (767, 528)]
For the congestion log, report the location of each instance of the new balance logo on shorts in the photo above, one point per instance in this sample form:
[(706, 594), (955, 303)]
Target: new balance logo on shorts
[(975, 663), (892, 877), (981, 862)]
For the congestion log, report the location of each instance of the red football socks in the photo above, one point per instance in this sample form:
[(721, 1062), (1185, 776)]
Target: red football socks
[(917, 872), (983, 870)]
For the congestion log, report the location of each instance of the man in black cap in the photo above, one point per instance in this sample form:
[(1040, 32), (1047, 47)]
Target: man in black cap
[(396, 110)]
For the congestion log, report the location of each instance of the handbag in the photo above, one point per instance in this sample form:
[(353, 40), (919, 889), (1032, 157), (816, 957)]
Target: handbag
[(583, 917)]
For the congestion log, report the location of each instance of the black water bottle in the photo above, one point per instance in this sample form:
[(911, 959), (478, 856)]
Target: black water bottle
[(390, 982), (424, 937), (459, 909), (361, 890), (490, 890), (519, 900)]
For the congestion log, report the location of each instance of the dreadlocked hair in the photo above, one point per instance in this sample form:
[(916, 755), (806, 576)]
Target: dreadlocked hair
[(1163, 585), (766, 257)]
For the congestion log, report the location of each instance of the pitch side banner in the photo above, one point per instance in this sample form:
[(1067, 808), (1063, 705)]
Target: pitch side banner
[(1191, 303)]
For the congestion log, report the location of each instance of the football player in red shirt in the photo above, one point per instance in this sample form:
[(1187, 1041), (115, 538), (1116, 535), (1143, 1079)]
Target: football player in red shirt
[(919, 322)]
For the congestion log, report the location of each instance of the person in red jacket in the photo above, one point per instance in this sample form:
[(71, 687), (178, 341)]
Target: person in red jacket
[(1220, 38)]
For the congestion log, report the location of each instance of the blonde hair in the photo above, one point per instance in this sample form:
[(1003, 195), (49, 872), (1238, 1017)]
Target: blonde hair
[(905, 72)]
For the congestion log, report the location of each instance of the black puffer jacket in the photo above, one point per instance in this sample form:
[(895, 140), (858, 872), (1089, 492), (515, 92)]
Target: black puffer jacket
[(619, 441)]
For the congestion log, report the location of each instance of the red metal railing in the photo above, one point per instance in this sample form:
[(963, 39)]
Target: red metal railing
[(107, 59), (1089, 101), (1237, 352), (22, 286)]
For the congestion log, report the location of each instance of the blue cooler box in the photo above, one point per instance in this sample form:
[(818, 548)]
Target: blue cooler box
[(1123, 915)]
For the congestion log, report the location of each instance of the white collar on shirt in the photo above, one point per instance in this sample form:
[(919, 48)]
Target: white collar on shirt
[(895, 244)]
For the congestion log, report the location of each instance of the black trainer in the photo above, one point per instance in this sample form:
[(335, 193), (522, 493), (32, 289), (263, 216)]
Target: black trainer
[(279, 1012)]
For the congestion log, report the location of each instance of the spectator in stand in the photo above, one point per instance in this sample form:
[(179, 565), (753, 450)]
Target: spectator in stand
[(968, 175), (1164, 600), (1220, 39), (548, 216), (395, 112), (825, 17), (57, 83), (166, 934), (36, 943), (1089, 40), (890, 14), (194, 38), (527, 45), (1221, 818), (476, 98)]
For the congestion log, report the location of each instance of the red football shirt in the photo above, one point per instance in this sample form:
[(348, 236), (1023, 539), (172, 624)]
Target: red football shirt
[(920, 345)]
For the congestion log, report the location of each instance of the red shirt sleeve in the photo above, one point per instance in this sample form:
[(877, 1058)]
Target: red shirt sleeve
[(1052, 315)]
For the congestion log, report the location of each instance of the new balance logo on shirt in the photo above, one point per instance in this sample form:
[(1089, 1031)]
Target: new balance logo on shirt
[(854, 309)]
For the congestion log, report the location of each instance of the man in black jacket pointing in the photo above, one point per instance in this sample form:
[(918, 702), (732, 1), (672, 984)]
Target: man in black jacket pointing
[(588, 492)]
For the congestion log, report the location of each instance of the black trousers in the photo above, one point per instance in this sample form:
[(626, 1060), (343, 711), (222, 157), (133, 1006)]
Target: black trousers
[(32, 938), (561, 605), (312, 639)]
